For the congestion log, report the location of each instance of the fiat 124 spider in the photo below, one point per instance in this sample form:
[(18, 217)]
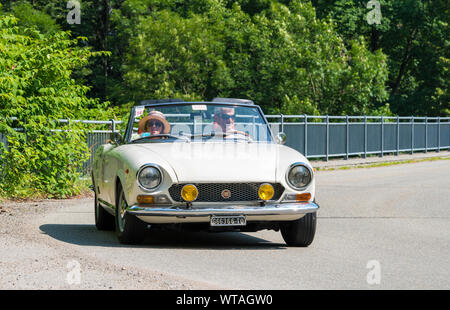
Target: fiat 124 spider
[(206, 166)]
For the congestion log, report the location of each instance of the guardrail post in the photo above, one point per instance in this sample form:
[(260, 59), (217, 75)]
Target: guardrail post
[(346, 136), (398, 135), (282, 122), (365, 136), (382, 136), (426, 134), (412, 135), (327, 138), (306, 135), (439, 134), (113, 125)]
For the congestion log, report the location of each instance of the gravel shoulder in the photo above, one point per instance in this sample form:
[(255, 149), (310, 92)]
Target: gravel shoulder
[(30, 259)]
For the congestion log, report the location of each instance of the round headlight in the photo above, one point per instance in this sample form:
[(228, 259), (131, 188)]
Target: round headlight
[(149, 177), (189, 192), (299, 176), (266, 192)]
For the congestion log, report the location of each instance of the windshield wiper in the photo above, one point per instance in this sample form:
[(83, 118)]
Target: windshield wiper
[(211, 134), (225, 134)]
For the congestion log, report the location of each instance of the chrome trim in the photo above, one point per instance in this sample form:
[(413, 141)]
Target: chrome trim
[(149, 190), (285, 196), (177, 214), (131, 119), (299, 164)]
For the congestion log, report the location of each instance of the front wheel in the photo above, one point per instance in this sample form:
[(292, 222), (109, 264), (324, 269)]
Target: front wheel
[(300, 233), (129, 229)]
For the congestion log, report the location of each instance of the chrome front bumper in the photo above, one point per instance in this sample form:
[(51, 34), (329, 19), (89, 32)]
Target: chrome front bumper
[(272, 212)]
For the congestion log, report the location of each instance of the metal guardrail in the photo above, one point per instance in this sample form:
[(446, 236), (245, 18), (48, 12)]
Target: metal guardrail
[(343, 136), (324, 137)]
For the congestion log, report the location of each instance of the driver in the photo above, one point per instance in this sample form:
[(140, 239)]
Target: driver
[(224, 119), (154, 123)]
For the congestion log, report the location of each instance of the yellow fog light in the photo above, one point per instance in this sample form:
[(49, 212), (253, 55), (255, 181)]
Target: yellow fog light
[(189, 192), (266, 191), (145, 199)]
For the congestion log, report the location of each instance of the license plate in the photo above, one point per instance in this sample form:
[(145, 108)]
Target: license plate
[(228, 220)]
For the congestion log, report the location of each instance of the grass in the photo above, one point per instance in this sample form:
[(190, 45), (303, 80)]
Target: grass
[(383, 164)]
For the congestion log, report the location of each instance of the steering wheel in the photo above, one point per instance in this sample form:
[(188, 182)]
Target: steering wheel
[(238, 132)]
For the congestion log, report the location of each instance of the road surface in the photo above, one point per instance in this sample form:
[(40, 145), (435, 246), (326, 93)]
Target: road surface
[(378, 228)]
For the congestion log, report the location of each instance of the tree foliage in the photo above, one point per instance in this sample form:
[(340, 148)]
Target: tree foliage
[(282, 57), (414, 36), (36, 89), (289, 56), (340, 64)]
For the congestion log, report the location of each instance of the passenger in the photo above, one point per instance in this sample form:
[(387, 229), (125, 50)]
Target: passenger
[(154, 123)]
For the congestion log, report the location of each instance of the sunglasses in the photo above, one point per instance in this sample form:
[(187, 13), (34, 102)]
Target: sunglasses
[(157, 124), (226, 117)]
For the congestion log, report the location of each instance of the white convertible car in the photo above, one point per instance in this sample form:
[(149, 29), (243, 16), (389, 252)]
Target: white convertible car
[(213, 166)]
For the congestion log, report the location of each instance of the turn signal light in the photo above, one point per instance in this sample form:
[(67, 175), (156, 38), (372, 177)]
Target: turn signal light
[(303, 197), (145, 199), (189, 192)]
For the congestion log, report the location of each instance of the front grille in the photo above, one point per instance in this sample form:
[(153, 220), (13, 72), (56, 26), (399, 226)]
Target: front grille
[(212, 192)]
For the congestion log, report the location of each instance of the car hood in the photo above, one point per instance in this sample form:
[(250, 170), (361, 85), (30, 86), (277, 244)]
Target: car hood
[(198, 162)]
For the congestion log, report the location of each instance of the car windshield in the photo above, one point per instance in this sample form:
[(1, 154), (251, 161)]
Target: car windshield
[(203, 122)]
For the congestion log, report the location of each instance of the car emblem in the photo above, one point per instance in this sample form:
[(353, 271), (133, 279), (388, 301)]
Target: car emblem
[(226, 194)]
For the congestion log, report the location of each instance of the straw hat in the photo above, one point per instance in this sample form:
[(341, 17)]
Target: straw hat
[(155, 115)]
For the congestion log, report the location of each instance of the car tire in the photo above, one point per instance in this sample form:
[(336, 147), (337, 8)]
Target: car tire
[(103, 220), (300, 233), (129, 229)]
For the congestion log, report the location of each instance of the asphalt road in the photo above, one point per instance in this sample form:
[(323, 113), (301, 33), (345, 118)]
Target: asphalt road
[(378, 228)]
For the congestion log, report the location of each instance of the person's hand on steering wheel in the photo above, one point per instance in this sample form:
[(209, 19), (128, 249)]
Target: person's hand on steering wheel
[(238, 132)]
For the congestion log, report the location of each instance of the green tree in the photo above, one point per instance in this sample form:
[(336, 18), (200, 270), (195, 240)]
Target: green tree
[(36, 88), (278, 53), (29, 17), (100, 73), (414, 35), (283, 57)]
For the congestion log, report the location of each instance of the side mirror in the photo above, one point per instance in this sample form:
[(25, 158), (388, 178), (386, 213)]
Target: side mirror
[(281, 138), (116, 138)]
